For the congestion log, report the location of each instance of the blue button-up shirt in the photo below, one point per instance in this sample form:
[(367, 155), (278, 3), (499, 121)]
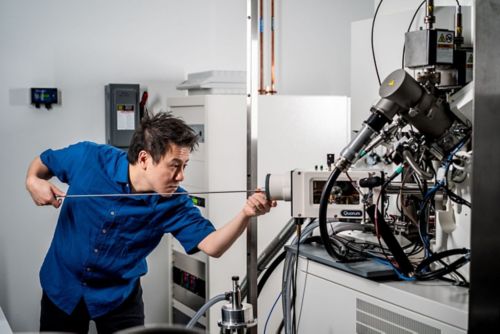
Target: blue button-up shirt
[(100, 243)]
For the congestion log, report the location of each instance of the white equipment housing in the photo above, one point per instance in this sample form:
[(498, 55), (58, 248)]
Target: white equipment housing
[(352, 304), (307, 187), (311, 125), (303, 188)]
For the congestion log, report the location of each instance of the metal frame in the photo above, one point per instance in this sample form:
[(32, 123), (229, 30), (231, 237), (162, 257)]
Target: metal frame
[(484, 308), (252, 122)]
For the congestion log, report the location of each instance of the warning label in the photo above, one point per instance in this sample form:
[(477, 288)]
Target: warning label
[(445, 38), (470, 59), (444, 52)]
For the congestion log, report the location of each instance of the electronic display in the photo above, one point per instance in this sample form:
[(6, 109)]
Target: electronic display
[(44, 96)]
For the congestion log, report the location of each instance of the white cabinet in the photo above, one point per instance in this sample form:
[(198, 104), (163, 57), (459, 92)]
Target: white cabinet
[(293, 132)]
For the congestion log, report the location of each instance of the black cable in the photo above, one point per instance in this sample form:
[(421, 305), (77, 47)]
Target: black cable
[(457, 199), (322, 215), (265, 277), (303, 294), (464, 283), (299, 232), (409, 27), (437, 257), (423, 216), (373, 49), (280, 327), (369, 248), (460, 276)]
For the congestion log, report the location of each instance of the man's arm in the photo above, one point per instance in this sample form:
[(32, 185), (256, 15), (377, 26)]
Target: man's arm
[(217, 242), (41, 190)]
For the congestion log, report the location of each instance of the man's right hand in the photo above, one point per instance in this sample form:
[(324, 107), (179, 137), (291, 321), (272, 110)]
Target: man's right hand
[(43, 192)]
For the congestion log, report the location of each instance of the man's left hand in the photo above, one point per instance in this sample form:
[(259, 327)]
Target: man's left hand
[(257, 204)]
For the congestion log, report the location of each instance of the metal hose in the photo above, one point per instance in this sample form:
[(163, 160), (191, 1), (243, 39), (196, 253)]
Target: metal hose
[(205, 308), (422, 173)]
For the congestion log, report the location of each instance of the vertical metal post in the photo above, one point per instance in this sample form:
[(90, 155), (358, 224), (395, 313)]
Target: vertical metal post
[(252, 122), (484, 307)]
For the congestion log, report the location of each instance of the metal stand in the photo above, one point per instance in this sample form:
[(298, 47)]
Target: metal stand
[(236, 316)]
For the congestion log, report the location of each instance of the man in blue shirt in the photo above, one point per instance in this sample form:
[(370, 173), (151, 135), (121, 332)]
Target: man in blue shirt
[(98, 251)]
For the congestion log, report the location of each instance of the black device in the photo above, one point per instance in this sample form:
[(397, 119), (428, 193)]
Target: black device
[(122, 113), (463, 59), (44, 96), (429, 48)]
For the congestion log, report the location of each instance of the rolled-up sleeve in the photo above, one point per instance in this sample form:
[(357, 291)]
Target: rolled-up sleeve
[(190, 226), (64, 162)]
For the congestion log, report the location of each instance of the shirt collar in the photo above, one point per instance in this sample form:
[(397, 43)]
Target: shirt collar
[(121, 172), (121, 176)]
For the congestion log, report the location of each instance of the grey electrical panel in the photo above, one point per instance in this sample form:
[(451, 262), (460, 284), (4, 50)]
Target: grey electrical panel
[(122, 113)]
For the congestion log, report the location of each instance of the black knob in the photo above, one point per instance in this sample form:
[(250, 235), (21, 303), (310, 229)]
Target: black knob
[(370, 182)]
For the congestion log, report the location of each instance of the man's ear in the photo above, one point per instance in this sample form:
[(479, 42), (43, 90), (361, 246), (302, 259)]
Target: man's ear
[(142, 159)]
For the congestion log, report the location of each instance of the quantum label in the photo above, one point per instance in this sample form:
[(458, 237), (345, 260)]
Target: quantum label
[(351, 213)]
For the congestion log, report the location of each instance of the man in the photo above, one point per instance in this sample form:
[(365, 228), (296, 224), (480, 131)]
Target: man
[(98, 252)]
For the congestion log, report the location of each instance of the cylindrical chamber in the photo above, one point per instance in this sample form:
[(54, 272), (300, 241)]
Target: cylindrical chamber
[(237, 318), (279, 187), (401, 88), (430, 115)]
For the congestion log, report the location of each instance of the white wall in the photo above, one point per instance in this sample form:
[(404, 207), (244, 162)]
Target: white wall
[(314, 53), (80, 46)]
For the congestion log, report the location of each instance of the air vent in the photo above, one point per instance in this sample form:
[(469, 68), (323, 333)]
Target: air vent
[(373, 319)]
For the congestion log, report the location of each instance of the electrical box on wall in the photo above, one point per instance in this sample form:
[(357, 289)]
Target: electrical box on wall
[(122, 113)]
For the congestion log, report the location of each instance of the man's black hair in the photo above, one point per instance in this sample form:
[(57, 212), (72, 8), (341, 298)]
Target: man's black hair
[(157, 133)]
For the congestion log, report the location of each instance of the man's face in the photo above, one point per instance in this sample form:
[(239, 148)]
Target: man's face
[(165, 176)]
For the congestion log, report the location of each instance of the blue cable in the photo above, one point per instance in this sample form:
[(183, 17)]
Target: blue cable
[(432, 191), (270, 312), (427, 197), (400, 275)]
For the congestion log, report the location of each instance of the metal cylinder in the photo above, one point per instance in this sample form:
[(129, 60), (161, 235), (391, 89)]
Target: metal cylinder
[(401, 88), (238, 318), (429, 18), (279, 187), (363, 138), (429, 115)]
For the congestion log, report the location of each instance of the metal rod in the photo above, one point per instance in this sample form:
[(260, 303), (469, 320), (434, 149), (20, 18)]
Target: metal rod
[(153, 194), (252, 122), (407, 189)]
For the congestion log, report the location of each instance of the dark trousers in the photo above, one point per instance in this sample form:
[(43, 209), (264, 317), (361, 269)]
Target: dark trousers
[(129, 314)]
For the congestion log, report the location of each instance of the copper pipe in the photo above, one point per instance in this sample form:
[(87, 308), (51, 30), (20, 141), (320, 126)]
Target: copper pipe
[(273, 77), (261, 48)]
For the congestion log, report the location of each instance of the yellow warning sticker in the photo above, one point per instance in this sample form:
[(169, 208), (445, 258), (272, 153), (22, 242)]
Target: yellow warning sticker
[(445, 38), (470, 60)]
